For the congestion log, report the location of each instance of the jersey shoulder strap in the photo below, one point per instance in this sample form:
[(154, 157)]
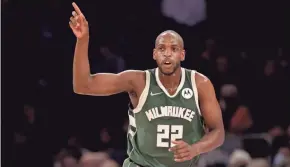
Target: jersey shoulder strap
[(144, 94), (195, 89)]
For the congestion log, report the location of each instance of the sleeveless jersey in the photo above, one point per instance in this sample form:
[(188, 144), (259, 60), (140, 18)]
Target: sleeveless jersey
[(160, 118)]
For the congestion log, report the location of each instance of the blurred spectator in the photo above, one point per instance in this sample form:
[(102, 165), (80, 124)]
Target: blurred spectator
[(222, 64), (110, 163), (213, 157), (210, 49), (106, 141), (74, 142), (221, 73), (95, 159), (282, 158), (29, 138), (263, 108), (241, 120), (113, 143), (257, 146), (270, 68), (235, 116), (69, 161), (110, 62), (206, 60), (69, 158), (71, 153), (224, 83), (276, 131), (268, 89), (239, 158), (259, 162), (280, 147)]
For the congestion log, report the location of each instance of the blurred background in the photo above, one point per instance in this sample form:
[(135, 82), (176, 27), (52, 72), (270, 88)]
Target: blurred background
[(242, 46)]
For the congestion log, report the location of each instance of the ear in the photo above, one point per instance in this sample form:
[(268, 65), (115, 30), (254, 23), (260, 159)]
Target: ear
[(182, 55), (154, 54)]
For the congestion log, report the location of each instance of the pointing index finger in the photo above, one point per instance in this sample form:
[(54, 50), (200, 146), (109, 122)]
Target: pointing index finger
[(77, 9)]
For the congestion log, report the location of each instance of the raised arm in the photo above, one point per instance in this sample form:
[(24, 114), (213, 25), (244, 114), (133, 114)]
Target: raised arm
[(99, 84), (104, 84), (211, 112)]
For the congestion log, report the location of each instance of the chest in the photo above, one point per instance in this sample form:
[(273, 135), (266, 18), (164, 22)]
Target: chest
[(182, 97), (159, 107)]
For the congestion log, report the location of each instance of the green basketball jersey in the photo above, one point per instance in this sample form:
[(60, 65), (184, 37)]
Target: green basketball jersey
[(160, 118)]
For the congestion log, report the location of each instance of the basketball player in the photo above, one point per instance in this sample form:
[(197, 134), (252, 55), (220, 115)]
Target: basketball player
[(170, 102)]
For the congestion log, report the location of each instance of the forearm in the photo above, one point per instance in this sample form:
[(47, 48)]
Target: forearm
[(210, 141), (81, 66)]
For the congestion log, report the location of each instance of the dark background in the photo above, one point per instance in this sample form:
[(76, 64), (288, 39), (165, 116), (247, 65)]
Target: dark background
[(129, 29)]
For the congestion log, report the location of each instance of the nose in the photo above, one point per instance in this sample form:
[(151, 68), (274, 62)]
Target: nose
[(168, 53)]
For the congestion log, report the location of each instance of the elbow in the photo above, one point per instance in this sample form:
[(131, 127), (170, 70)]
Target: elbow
[(78, 89), (221, 137), (80, 86)]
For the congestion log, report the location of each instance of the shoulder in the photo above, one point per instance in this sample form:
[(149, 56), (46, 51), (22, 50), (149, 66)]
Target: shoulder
[(133, 71), (201, 79), (137, 74), (134, 77), (132, 74), (203, 83)]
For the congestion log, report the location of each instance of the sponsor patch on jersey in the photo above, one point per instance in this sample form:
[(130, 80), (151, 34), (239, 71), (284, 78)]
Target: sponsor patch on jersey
[(187, 93)]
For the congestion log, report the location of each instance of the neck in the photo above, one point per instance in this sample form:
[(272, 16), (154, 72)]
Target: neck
[(170, 81)]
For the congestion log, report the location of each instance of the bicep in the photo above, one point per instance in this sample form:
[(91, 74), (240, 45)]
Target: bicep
[(209, 105), (104, 84)]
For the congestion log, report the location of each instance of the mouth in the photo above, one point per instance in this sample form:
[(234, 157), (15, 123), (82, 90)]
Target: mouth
[(167, 63)]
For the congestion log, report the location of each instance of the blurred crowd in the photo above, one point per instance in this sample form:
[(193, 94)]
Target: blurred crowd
[(255, 109), (247, 61)]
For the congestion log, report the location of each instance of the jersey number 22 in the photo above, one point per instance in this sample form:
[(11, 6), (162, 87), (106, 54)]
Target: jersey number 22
[(167, 133)]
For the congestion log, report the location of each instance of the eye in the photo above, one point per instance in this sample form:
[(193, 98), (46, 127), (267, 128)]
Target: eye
[(175, 49), (161, 49)]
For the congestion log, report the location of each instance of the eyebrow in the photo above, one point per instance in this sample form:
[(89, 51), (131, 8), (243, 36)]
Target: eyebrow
[(171, 45)]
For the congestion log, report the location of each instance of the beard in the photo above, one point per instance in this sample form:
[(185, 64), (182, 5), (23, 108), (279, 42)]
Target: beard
[(169, 73)]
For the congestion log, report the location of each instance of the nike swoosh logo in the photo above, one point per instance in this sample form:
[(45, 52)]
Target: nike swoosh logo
[(154, 94)]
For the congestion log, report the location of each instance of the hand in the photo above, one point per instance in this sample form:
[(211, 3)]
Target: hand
[(182, 151), (78, 23)]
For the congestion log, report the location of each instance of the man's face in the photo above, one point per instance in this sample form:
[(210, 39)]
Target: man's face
[(168, 53)]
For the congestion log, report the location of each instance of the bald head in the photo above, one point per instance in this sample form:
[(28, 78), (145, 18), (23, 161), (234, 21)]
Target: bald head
[(172, 34), (168, 52)]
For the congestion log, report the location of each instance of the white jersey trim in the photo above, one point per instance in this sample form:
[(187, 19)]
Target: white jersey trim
[(164, 89), (144, 94), (195, 91)]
